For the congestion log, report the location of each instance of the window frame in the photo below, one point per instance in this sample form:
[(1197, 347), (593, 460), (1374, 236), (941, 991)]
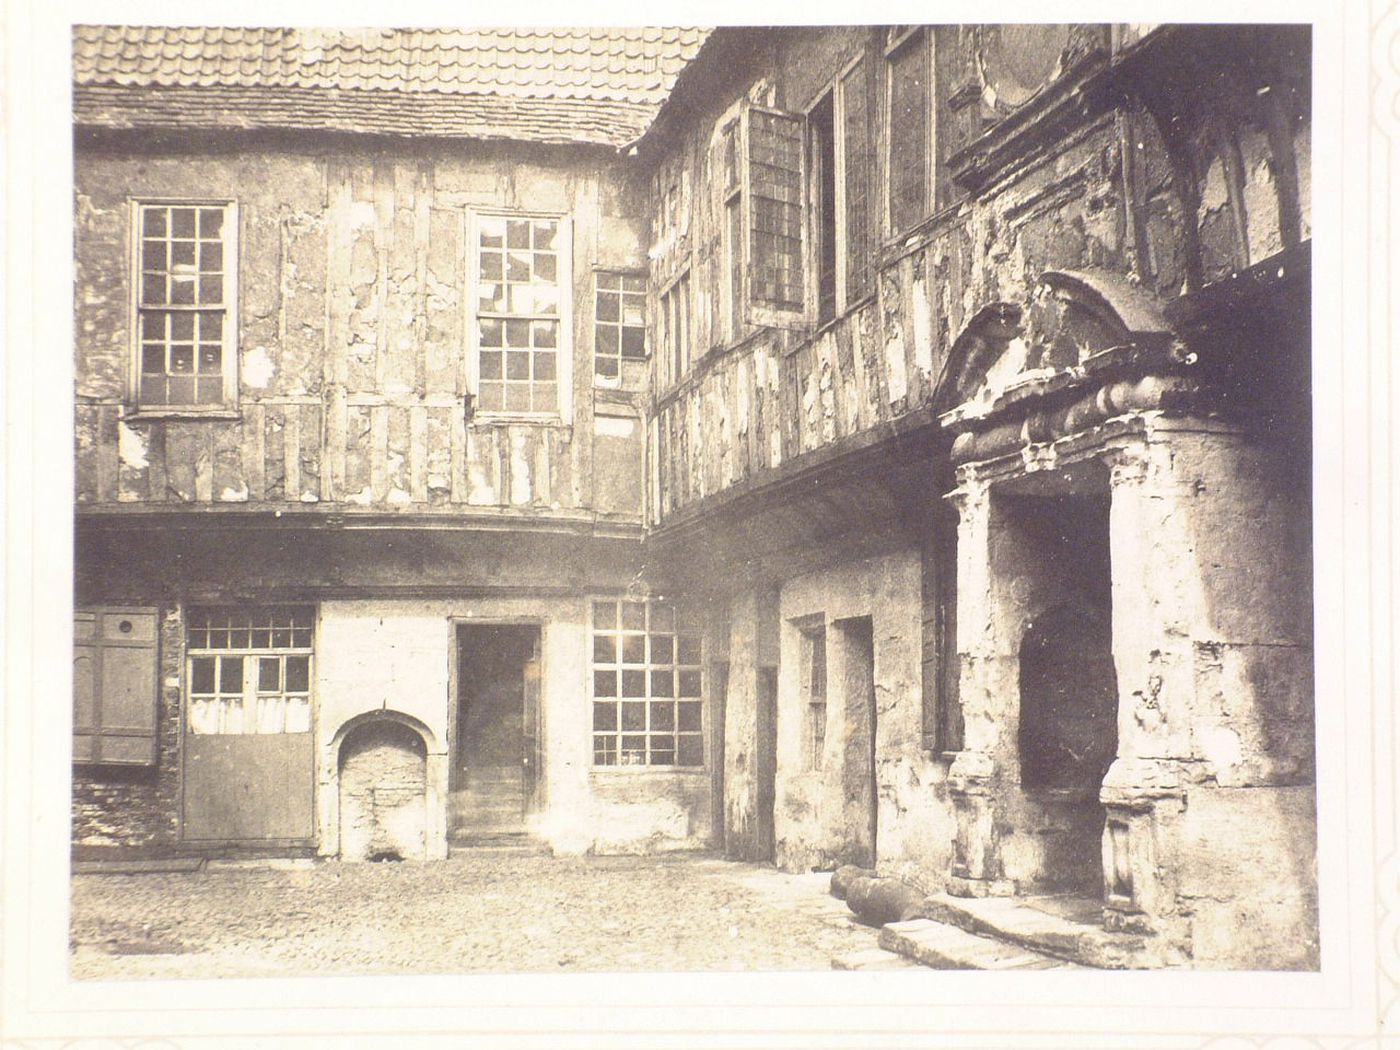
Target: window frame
[(816, 199), (616, 383), (251, 657), (815, 705), (702, 734), (836, 89), (678, 292), (896, 41), (228, 406), (564, 350)]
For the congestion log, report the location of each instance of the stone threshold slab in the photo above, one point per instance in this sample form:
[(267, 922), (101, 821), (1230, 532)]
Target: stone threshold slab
[(945, 947), (1036, 928)]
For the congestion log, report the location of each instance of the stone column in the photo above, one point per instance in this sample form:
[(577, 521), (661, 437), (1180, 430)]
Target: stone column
[(1210, 837), (988, 692)]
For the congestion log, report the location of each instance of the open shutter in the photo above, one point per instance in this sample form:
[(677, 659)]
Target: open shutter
[(774, 181), (114, 686)]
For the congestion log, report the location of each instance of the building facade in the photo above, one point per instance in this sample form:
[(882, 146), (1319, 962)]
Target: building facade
[(884, 446)]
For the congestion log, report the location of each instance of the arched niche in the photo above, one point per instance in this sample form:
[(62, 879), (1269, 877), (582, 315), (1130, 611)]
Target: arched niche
[(381, 760)]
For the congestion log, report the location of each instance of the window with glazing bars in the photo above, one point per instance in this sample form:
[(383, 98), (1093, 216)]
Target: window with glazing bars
[(249, 669), (518, 281), (646, 686), (619, 328), (184, 288)]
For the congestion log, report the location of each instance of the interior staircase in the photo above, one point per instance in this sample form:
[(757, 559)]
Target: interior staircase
[(1003, 933), (486, 812)]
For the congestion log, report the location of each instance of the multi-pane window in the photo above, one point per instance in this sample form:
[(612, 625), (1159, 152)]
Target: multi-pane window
[(521, 268), (646, 686), (619, 328), (910, 131), (775, 176), (185, 259), (250, 669)]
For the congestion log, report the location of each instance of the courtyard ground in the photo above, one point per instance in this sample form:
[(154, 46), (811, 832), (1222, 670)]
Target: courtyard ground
[(498, 913)]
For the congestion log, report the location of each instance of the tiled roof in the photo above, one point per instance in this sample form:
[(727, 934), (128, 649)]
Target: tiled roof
[(550, 85)]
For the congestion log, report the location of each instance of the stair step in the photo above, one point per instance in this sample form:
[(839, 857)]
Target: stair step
[(946, 947), (1040, 929), (509, 843), (874, 959)]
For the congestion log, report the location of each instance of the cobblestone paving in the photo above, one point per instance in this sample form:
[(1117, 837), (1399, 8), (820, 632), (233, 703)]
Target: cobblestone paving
[(496, 913)]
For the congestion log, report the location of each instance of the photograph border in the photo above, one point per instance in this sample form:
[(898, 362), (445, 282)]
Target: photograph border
[(1353, 1002)]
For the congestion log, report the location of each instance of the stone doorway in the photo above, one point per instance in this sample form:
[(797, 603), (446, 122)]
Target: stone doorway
[(496, 771), (1067, 734)]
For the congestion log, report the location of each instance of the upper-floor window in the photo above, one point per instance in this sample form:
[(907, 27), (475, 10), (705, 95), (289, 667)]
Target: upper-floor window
[(674, 317), (619, 323), (185, 291), (838, 149), (520, 271), (909, 104)]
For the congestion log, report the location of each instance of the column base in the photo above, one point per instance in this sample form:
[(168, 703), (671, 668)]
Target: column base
[(962, 886)]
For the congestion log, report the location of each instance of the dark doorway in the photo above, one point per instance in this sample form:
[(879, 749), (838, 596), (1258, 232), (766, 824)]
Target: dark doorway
[(496, 762), (1068, 724), (719, 695), (854, 644), (766, 766)]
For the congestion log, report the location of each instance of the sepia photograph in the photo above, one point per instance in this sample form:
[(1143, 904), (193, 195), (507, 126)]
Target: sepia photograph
[(591, 534), (752, 497)]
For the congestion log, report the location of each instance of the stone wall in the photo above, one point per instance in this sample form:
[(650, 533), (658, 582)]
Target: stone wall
[(383, 793), (914, 824)]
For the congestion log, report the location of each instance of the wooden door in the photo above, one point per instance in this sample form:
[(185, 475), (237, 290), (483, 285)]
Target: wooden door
[(249, 768)]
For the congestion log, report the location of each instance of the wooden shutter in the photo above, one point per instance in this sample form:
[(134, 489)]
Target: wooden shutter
[(773, 185), (115, 689)]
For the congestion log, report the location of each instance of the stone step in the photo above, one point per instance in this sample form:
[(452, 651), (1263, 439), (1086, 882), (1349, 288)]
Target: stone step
[(944, 947), (1044, 929), (512, 843), (874, 959)]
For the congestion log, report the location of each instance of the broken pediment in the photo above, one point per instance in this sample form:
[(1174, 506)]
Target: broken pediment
[(1011, 352)]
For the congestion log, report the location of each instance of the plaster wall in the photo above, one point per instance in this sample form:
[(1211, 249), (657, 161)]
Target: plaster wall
[(352, 332), (396, 656), (815, 826)]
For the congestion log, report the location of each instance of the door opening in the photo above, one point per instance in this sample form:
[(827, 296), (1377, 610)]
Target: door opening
[(855, 652), (496, 776)]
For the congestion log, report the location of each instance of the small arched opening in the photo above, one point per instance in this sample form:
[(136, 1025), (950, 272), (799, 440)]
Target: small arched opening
[(382, 764)]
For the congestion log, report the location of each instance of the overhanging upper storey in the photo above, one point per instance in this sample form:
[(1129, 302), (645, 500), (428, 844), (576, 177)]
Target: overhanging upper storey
[(857, 230)]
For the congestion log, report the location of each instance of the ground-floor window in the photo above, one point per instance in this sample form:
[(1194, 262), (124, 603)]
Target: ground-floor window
[(250, 669), (646, 686)]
